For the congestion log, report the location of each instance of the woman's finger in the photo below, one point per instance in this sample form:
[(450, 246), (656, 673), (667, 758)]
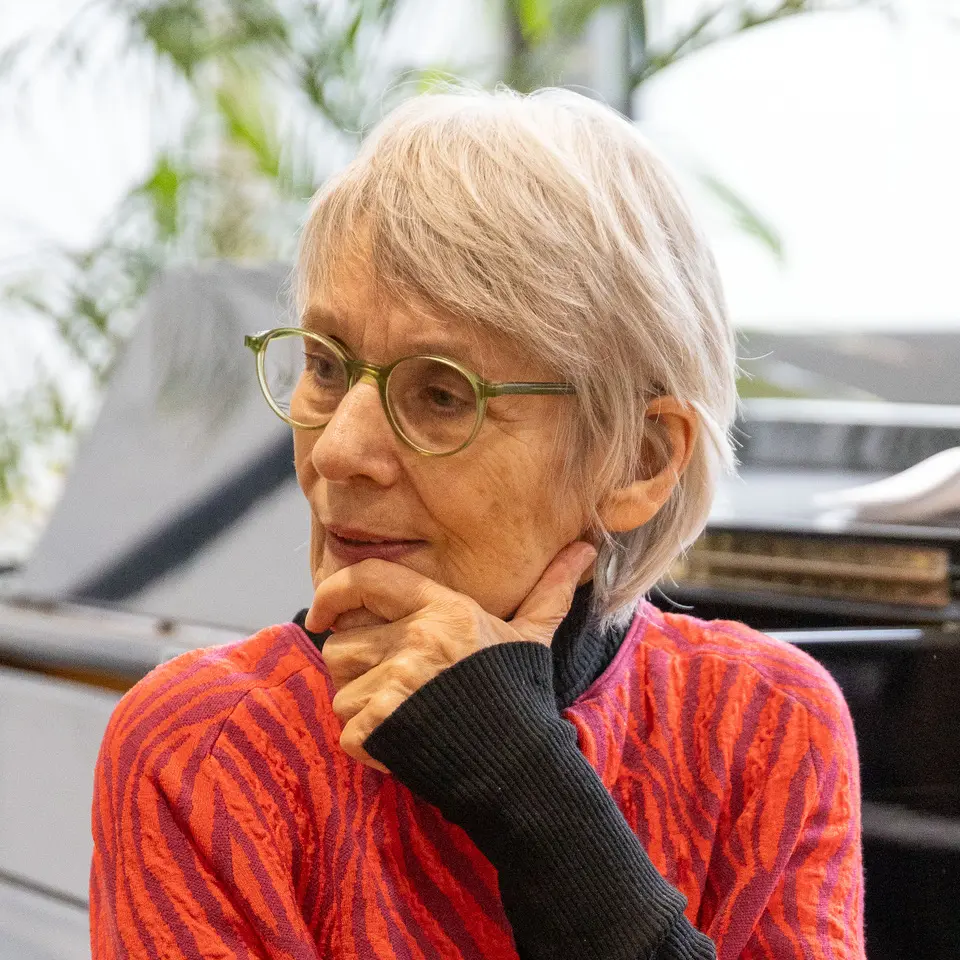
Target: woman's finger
[(358, 729), (549, 601), (353, 696), (349, 654), (357, 618), (362, 706), (387, 590), (404, 673)]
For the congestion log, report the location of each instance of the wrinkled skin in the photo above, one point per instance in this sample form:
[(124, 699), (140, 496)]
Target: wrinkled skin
[(499, 539)]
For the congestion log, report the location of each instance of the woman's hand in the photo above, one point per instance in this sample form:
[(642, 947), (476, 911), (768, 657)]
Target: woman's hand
[(424, 628)]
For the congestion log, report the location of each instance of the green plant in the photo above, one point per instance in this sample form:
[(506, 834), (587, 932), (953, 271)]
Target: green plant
[(245, 90)]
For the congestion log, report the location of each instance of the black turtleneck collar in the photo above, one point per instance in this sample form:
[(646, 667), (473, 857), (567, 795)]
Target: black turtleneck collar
[(581, 651)]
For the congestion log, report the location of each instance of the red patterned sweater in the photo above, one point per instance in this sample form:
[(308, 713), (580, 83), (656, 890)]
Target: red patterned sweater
[(229, 824)]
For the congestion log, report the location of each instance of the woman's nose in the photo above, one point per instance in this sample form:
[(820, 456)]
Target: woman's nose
[(358, 440)]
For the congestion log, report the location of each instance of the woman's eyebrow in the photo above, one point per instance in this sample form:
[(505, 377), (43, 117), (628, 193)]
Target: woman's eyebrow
[(321, 320)]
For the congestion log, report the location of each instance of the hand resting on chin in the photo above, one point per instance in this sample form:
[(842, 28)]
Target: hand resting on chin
[(395, 630)]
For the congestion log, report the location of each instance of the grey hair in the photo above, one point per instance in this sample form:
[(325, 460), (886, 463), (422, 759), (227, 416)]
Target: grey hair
[(549, 219)]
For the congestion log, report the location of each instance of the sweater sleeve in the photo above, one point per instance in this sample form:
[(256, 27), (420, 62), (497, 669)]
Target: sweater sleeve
[(191, 857), (813, 907), (797, 842), (485, 743)]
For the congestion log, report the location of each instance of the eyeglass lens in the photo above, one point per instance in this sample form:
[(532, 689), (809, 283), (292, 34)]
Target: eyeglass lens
[(433, 403)]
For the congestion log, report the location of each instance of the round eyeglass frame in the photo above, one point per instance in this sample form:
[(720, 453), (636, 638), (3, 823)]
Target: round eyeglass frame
[(358, 370)]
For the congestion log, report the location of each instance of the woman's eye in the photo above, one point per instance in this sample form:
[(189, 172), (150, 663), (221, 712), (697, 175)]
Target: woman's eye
[(446, 402), (324, 369)]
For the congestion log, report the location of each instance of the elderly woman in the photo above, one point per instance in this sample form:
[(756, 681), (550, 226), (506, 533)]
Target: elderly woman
[(511, 392)]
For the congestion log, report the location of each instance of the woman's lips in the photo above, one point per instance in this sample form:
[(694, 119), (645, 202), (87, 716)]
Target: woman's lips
[(352, 546)]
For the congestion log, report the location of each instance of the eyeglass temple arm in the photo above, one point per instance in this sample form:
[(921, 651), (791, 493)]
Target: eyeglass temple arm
[(543, 389)]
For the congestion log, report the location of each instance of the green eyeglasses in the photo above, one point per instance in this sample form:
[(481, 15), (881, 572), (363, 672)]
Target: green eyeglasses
[(434, 405)]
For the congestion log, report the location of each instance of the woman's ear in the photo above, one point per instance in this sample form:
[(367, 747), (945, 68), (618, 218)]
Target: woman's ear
[(635, 504)]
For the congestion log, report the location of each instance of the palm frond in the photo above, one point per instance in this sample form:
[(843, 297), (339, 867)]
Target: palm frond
[(724, 20), (744, 215), (163, 191)]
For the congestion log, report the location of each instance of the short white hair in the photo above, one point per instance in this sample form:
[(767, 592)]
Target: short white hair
[(549, 219)]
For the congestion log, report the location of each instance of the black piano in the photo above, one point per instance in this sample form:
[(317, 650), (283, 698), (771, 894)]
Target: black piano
[(879, 606)]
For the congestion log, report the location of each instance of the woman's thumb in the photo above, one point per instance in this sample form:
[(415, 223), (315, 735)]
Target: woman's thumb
[(549, 601)]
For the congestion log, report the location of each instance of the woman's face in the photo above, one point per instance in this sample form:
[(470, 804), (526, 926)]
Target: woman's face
[(486, 521)]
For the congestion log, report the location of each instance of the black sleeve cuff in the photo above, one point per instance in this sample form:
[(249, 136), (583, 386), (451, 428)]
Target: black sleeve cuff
[(484, 743)]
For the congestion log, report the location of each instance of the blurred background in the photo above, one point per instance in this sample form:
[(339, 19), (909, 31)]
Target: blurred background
[(156, 157)]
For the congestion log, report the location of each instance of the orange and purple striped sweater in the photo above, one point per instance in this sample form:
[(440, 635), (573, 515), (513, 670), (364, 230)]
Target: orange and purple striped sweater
[(228, 823)]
